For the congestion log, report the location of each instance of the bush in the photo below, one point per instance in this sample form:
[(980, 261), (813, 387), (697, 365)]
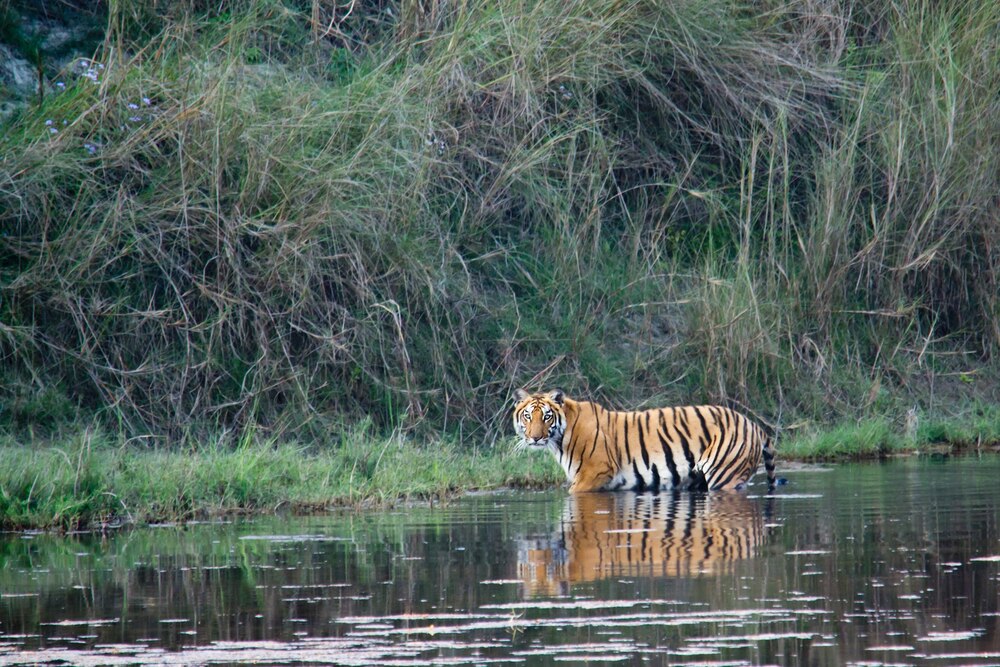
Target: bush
[(254, 216)]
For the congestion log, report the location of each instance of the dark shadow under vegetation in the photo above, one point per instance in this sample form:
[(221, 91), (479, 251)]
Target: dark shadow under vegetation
[(277, 218)]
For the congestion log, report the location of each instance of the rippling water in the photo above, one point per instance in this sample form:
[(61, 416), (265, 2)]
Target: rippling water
[(868, 564)]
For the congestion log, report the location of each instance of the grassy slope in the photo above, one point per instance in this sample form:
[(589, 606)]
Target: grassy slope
[(265, 224)]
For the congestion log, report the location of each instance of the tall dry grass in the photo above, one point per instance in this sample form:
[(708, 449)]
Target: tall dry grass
[(269, 217)]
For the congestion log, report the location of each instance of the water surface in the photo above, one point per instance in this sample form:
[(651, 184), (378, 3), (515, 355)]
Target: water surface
[(894, 563)]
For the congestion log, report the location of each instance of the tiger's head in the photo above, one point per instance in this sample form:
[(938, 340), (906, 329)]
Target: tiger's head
[(540, 419)]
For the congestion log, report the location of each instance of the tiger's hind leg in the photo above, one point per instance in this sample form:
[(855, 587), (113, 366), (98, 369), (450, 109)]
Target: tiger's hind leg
[(769, 465)]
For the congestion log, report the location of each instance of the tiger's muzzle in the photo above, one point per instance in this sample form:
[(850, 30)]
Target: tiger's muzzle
[(536, 442)]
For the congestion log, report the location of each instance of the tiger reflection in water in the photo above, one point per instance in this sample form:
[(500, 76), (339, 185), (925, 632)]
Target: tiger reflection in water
[(604, 535)]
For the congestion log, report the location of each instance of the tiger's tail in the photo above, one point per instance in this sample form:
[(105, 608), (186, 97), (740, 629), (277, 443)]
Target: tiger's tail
[(769, 464)]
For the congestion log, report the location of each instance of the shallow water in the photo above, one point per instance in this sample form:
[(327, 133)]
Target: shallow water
[(894, 563)]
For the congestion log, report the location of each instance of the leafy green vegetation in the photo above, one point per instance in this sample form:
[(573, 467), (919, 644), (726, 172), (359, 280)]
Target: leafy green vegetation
[(255, 221)]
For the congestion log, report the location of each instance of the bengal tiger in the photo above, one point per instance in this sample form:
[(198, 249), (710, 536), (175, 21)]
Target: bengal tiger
[(607, 535), (700, 447)]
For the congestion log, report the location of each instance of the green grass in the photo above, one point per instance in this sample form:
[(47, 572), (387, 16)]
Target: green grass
[(974, 429), (90, 479), (867, 439)]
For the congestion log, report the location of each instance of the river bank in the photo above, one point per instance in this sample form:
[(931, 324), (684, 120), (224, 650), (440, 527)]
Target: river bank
[(90, 479)]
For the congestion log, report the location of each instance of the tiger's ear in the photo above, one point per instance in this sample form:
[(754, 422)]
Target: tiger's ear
[(520, 395), (558, 396)]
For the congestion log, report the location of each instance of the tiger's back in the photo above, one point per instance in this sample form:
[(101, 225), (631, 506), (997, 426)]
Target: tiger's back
[(707, 446)]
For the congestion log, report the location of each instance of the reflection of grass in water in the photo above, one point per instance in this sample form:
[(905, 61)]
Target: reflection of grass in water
[(89, 481), (359, 549)]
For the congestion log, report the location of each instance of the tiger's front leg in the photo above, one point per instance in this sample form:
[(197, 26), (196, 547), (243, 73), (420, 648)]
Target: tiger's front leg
[(697, 479), (585, 483)]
